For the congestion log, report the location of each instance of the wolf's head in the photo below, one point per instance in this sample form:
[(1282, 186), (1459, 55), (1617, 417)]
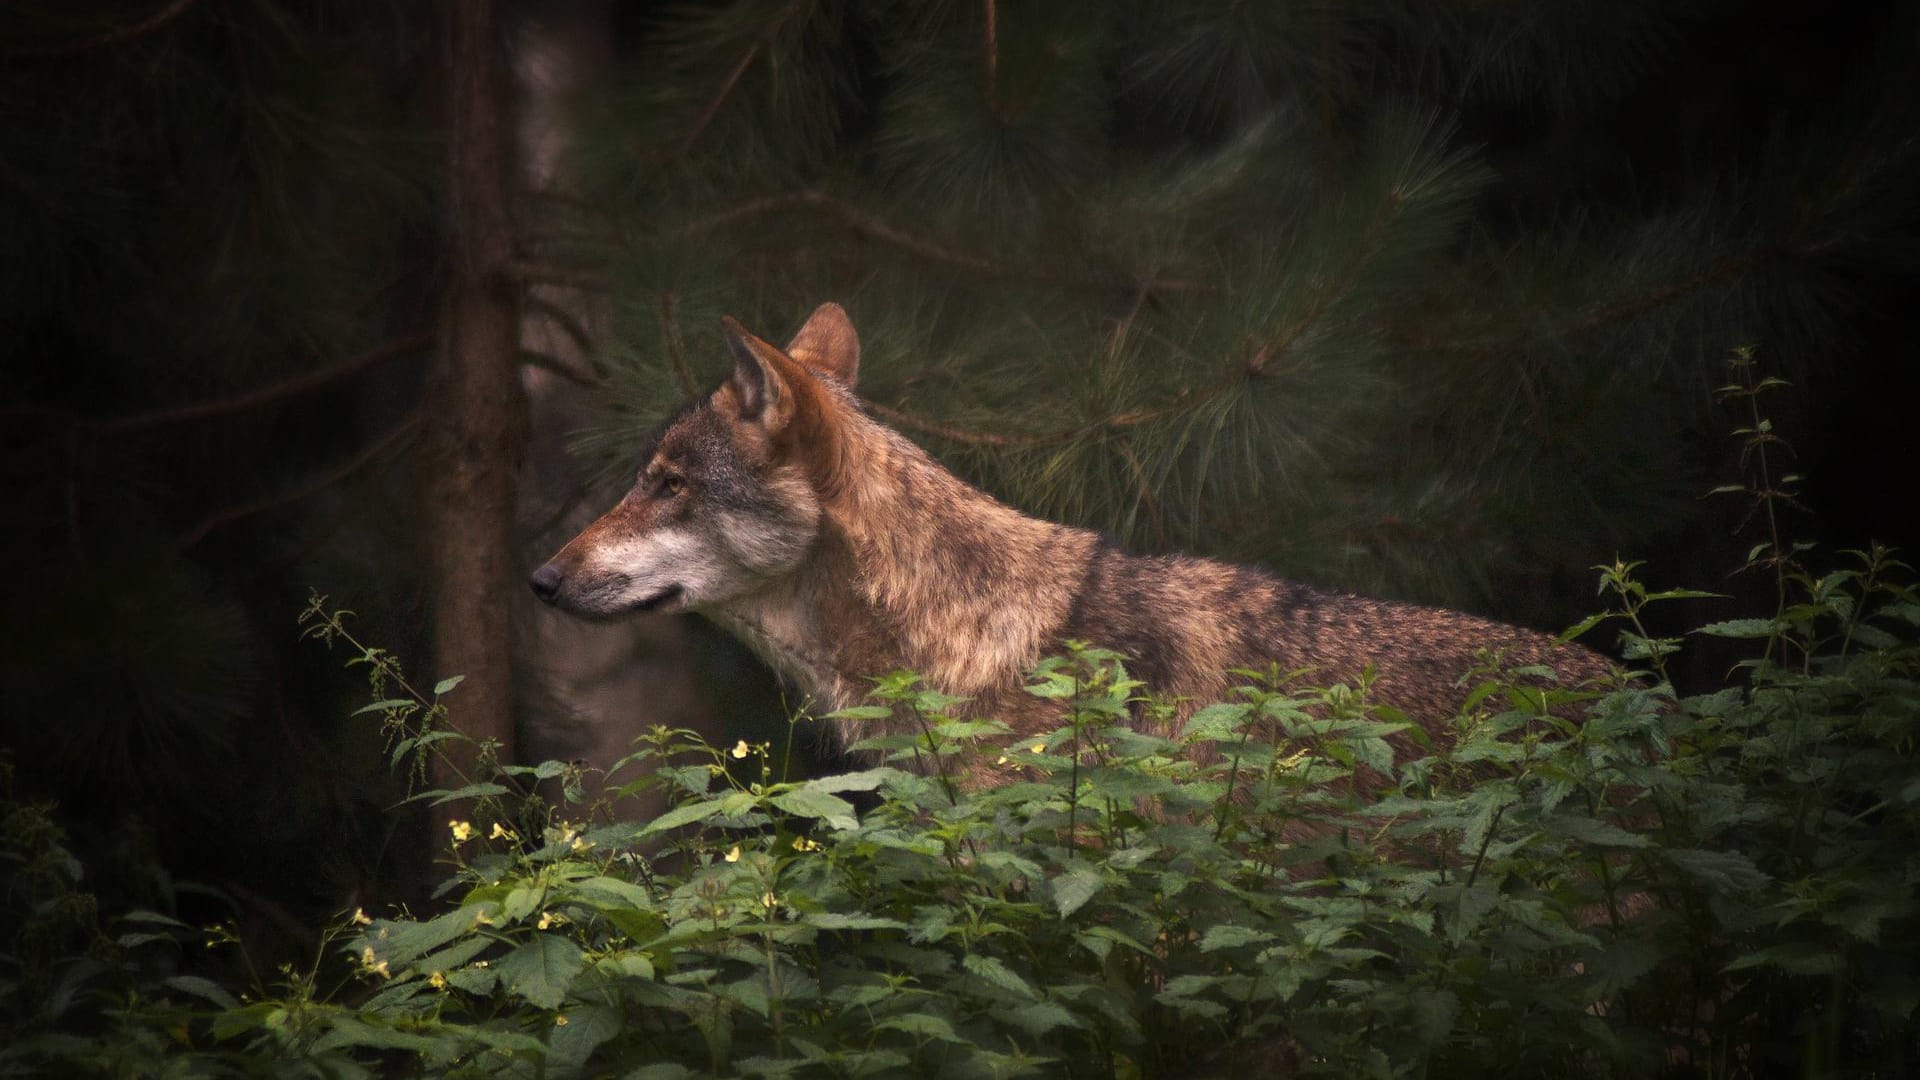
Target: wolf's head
[(728, 496)]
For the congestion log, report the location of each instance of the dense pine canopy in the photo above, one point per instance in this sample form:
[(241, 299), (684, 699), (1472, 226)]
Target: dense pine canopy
[(1426, 300)]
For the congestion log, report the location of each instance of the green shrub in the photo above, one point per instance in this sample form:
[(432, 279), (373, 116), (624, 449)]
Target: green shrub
[(1717, 885)]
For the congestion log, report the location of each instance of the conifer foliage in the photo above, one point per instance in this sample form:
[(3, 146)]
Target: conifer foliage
[(1421, 299), (1230, 276)]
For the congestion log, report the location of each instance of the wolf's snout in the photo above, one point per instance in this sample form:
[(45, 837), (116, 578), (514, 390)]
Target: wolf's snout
[(546, 582)]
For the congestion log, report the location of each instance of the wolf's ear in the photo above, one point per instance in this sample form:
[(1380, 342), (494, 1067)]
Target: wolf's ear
[(757, 383), (828, 344)]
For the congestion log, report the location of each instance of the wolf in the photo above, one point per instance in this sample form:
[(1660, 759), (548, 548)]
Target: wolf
[(839, 550)]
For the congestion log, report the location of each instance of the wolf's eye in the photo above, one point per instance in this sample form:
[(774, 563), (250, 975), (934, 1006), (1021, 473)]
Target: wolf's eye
[(668, 486)]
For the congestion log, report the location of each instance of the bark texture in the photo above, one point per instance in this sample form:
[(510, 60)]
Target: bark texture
[(476, 411), (585, 689)]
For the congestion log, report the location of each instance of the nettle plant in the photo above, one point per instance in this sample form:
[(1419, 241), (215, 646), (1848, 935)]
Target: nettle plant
[(1717, 883), (1591, 880)]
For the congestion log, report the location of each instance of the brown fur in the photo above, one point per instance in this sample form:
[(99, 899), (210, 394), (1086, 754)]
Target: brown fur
[(897, 563)]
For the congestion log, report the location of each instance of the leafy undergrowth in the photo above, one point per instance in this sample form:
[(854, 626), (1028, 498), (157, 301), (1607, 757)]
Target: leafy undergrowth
[(1712, 885)]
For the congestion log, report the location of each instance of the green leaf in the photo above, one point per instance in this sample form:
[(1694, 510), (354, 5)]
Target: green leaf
[(1074, 887), (811, 803), (471, 791), (1724, 869), (447, 684), (1739, 628), (353, 1031), (834, 920), (684, 814), (1039, 1017), (385, 704), (1593, 831), (1685, 594), (202, 988), (1219, 721), (586, 1027), (155, 918), (999, 975), (865, 780), (921, 1026), (541, 970), (660, 1070), (1796, 957), (402, 941), (1584, 625), (1232, 937)]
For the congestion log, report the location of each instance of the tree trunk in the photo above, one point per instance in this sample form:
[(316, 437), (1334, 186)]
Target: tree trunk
[(474, 402), (585, 690)]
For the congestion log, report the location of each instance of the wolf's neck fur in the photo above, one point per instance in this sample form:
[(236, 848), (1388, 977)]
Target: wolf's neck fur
[(916, 569)]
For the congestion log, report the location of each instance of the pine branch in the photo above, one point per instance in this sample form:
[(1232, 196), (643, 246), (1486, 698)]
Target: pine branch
[(266, 395), (1724, 267), (991, 76), (115, 36), (1253, 367), (732, 80), (675, 348), (402, 432), (872, 227)]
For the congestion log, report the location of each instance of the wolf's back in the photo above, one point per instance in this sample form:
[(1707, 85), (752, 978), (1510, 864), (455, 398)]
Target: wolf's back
[(1185, 622)]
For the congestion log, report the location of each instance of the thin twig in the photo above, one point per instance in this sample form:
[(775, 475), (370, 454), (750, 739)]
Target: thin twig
[(857, 220), (534, 272), (865, 224), (73, 485), (265, 395), (115, 36), (1720, 268), (547, 362), (561, 318), (401, 432), (963, 435), (670, 338), (1536, 409), (732, 81), (1147, 500), (991, 76), (719, 98)]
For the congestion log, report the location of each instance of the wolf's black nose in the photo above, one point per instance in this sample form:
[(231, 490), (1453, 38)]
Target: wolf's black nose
[(546, 582)]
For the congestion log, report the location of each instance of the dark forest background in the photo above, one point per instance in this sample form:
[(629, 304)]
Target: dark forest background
[(1426, 300)]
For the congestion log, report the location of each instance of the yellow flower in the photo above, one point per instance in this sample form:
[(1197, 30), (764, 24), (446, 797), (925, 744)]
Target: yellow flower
[(1039, 748), (366, 956), (740, 749), (560, 1021), (501, 832), (581, 843), (1002, 760), (769, 901), (360, 917), (437, 981), (734, 855), (462, 831), (801, 843), (548, 919)]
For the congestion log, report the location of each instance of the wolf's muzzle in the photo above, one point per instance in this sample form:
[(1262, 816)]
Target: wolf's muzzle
[(546, 582)]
